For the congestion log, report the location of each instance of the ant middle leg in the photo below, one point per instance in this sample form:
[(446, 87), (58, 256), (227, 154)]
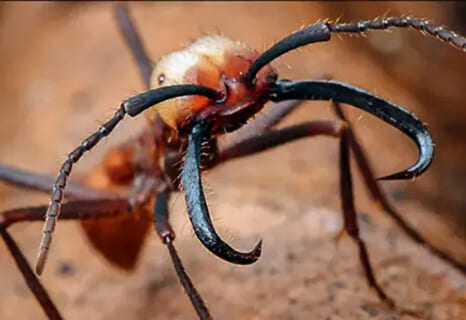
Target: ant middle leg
[(263, 123), (277, 137)]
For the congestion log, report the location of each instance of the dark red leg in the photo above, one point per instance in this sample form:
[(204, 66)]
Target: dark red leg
[(75, 210), (31, 280), (377, 194), (277, 137), (166, 234), (265, 122), (343, 130), (274, 138), (349, 215), (43, 183), (134, 42)]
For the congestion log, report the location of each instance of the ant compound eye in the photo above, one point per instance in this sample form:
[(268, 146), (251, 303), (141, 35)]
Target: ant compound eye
[(221, 97), (161, 78)]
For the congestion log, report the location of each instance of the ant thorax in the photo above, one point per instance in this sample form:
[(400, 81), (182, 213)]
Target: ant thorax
[(215, 62)]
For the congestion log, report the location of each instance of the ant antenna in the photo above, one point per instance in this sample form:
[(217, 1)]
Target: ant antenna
[(132, 106), (322, 31)]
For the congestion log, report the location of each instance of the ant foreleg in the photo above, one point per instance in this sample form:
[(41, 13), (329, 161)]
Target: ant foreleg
[(165, 232), (278, 112), (277, 137)]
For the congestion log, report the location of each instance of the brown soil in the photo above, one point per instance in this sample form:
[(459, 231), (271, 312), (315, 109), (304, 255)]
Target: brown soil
[(64, 69)]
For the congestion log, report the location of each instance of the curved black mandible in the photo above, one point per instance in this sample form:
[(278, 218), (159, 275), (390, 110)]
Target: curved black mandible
[(197, 206), (392, 114)]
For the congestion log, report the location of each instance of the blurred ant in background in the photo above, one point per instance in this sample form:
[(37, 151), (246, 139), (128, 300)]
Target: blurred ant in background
[(210, 88)]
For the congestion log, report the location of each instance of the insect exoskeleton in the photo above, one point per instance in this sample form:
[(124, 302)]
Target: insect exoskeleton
[(215, 62)]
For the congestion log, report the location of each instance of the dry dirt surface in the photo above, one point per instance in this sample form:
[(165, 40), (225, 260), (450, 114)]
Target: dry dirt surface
[(65, 69)]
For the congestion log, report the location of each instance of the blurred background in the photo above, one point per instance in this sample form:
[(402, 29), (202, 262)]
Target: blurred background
[(64, 70)]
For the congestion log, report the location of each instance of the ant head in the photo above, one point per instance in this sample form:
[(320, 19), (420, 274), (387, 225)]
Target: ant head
[(218, 63)]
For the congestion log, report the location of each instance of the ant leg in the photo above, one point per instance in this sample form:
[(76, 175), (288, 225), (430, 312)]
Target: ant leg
[(38, 182), (73, 210), (349, 215), (31, 280), (165, 232), (133, 41), (386, 111), (266, 121), (378, 195), (330, 128), (76, 210), (277, 137)]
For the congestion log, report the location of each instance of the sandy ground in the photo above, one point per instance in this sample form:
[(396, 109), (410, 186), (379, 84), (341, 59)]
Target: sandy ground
[(65, 69)]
